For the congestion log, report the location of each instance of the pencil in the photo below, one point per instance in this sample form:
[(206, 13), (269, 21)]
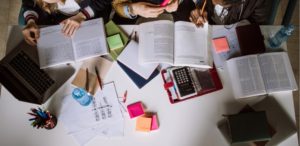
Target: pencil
[(203, 6), (98, 77), (87, 80)]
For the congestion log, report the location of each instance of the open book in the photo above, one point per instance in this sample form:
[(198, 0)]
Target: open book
[(256, 75), (179, 44), (54, 48)]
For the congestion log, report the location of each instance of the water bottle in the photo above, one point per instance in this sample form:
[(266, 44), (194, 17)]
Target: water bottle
[(281, 36), (80, 95)]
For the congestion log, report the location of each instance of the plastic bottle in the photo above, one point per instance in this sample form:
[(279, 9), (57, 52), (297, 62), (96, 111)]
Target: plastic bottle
[(281, 36), (82, 96)]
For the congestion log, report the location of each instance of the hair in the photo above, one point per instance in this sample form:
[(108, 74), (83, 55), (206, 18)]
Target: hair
[(48, 7), (231, 1)]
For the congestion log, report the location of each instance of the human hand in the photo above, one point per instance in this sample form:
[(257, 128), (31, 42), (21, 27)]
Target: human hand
[(31, 32), (172, 7), (146, 10), (197, 18), (71, 24)]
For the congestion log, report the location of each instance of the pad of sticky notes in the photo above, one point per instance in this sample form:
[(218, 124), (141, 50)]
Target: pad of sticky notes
[(143, 123), (115, 41), (135, 109), (220, 44), (147, 123)]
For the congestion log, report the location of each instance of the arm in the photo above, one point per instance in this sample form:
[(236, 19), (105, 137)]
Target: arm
[(261, 12), (199, 15), (29, 10), (91, 8), (88, 9), (130, 10), (31, 31)]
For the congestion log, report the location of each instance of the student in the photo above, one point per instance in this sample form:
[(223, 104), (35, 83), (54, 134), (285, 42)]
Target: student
[(224, 12), (69, 13), (180, 9)]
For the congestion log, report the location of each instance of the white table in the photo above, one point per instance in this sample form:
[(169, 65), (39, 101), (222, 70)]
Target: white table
[(189, 123)]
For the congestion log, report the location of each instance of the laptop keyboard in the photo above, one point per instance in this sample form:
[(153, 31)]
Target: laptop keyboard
[(31, 72)]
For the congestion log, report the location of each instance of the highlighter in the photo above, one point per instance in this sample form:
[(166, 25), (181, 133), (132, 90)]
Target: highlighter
[(165, 3)]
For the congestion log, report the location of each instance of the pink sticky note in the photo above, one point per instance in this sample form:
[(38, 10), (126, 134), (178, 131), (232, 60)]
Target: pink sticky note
[(154, 122), (135, 109), (220, 44)]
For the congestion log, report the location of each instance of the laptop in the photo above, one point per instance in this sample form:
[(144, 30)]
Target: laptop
[(21, 75)]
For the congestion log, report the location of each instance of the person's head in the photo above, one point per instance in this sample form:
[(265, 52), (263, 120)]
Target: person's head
[(49, 5), (226, 3)]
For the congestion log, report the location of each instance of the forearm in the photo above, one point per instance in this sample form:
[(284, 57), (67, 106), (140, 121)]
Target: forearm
[(29, 11), (91, 8)]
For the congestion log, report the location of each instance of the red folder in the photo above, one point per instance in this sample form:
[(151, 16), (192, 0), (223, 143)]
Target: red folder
[(214, 76)]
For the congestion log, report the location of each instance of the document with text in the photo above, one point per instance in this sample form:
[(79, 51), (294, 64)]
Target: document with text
[(179, 44), (54, 48), (261, 74)]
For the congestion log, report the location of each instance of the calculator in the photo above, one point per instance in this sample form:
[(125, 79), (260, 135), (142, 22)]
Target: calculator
[(183, 82)]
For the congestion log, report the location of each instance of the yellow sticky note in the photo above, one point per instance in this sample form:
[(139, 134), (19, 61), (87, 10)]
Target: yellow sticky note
[(143, 124)]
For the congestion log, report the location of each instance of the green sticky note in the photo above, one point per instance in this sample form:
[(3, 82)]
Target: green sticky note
[(112, 29), (115, 42)]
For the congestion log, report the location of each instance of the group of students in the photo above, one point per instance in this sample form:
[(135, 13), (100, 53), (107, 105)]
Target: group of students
[(71, 13)]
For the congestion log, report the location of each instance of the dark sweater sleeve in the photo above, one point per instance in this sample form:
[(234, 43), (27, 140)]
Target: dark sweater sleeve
[(262, 11), (91, 8), (29, 10)]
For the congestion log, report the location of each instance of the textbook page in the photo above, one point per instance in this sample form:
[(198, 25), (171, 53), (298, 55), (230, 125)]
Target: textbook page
[(245, 76), (191, 45), (277, 72), (89, 40), (156, 42), (53, 47)]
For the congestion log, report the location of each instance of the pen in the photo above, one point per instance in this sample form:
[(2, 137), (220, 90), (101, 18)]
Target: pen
[(87, 80), (203, 6), (98, 77), (125, 96)]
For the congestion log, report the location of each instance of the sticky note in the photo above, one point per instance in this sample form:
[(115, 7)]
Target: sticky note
[(115, 42), (154, 122), (135, 109), (220, 44), (143, 123)]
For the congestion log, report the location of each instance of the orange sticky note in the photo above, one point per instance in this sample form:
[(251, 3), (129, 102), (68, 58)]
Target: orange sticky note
[(220, 44), (143, 123)]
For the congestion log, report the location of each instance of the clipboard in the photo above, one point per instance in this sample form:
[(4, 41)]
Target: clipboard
[(169, 86)]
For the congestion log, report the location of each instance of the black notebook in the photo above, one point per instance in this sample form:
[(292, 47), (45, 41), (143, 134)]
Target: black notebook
[(250, 39)]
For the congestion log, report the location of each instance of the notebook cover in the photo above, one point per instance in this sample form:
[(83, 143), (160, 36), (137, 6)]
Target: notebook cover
[(250, 39), (136, 78), (215, 77), (249, 126)]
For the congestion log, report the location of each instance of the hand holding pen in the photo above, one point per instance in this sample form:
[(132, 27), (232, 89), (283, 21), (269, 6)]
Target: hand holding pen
[(199, 16)]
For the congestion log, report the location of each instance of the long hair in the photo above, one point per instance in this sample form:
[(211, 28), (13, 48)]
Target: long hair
[(48, 7)]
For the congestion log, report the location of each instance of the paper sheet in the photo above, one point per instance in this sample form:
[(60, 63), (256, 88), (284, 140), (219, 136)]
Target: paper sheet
[(102, 117), (129, 57)]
